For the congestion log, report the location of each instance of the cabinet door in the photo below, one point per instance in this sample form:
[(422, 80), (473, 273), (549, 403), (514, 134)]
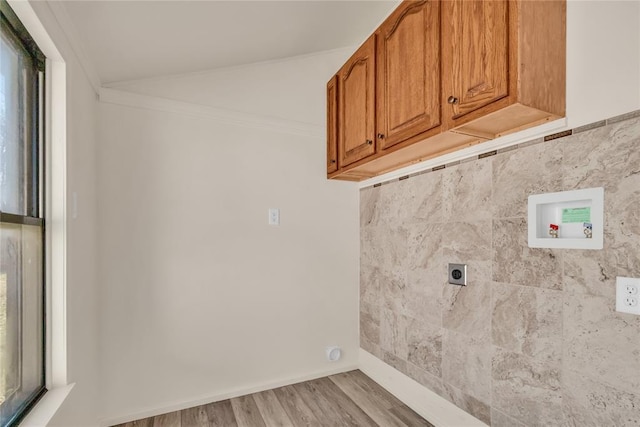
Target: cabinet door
[(356, 109), (408, 72), (475, 53), (332, 125)]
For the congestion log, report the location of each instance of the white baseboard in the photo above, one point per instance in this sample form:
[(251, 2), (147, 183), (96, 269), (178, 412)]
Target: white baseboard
[(256, 388), (437, 410), (430, 406)]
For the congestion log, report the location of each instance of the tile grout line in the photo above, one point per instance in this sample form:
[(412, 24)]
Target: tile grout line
[(551, 137), (442, 291), (562, 284), (491, 164)]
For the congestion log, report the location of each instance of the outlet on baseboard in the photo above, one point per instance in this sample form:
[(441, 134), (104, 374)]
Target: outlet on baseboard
[(628, 295)]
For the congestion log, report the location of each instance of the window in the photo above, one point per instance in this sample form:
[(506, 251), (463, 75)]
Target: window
[(22, 361)]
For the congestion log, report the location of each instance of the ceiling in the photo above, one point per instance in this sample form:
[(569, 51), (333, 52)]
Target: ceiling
[(128, 40)]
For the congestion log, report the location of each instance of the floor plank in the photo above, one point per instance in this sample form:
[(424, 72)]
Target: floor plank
[(272, 411), (347, 399), (194, 416), (223, 414), (409, 417), (321, 407), (172, 419), (146, 422), (349, 410), (367, 402), (298, 411), (247, 412), (218, 414), (385, 399)]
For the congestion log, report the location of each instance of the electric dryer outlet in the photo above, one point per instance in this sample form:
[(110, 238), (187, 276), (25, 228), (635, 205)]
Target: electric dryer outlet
[(458, 274)]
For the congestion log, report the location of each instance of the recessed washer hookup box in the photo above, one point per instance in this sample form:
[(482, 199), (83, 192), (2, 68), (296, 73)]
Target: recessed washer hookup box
[(567, 219)]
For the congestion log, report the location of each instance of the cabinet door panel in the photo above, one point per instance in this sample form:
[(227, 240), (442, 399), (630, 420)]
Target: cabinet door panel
[(332, 125), (475, 53), (408, 72), (356, 109)]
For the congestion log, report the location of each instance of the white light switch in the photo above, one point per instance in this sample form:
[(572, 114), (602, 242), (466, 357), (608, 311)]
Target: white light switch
[(274, 216)]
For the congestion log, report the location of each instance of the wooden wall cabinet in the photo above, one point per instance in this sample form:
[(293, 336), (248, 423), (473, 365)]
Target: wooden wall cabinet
[(408, 73), (504, 63), (356, 105), (438, 76), (475, 52)]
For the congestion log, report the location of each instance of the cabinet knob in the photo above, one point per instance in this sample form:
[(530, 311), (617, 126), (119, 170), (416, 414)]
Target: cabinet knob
[(369, 141), (381, 135), (452, 100), (333, 161)]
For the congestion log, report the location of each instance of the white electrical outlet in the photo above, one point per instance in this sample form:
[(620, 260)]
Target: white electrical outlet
[(628, 295)]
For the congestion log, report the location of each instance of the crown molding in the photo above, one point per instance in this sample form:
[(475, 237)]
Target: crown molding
[(69, 31), (220, 115), (345, 51)]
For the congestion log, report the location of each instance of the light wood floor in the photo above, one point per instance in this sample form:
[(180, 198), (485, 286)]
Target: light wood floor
[(348, 399)]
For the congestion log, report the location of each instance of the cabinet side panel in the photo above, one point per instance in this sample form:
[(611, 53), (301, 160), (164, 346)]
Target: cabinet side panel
[(542, 51), (332, 125)]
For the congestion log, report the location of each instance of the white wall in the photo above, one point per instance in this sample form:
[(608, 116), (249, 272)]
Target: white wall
[(201, 298), (80, 408), (603, 59)]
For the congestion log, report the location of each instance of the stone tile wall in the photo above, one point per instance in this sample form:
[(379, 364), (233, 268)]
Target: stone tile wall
[(534, 340)]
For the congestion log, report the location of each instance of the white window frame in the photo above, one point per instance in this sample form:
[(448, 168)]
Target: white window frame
[(55, 190)]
